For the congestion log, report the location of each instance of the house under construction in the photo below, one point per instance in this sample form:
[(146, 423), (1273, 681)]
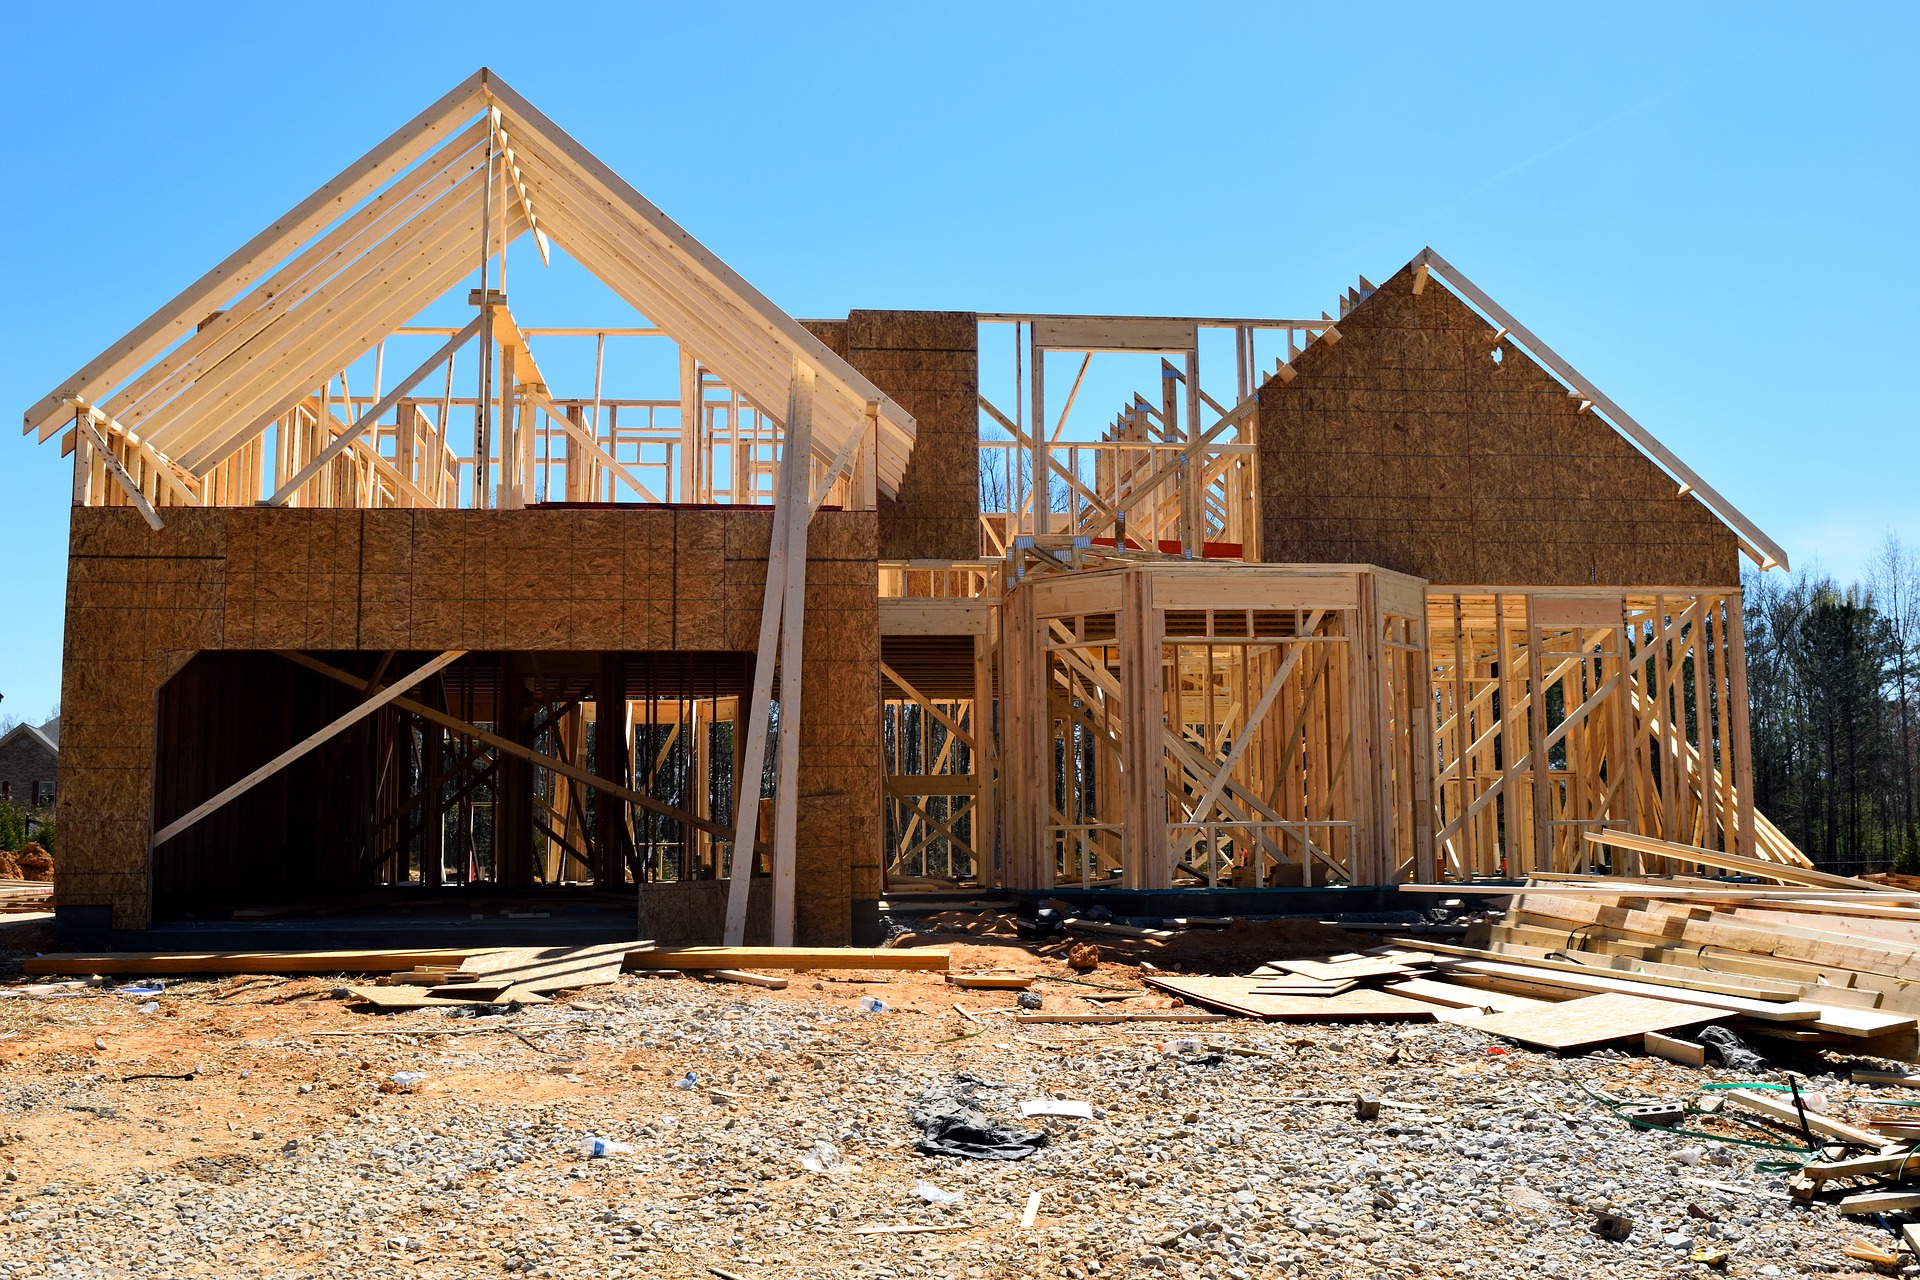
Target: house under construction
[(384, 589)]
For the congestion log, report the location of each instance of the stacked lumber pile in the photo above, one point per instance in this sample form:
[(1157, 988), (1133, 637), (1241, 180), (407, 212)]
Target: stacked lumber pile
[(17, 895), (1788, 952)]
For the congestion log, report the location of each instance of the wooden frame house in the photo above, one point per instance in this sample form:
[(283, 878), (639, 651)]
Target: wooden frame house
[(360, 601)]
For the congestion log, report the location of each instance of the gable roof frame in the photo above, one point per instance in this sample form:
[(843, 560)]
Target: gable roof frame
[(316, 291), (1763, 550)]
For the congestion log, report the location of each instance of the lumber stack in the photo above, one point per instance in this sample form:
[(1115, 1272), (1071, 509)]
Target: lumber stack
[(1785, 952)]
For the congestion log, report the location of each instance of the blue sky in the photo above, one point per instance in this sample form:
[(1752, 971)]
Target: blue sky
[(1707, 209)]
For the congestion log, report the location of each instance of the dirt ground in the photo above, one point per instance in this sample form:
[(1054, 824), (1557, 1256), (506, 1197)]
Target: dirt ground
[(252, 1126)]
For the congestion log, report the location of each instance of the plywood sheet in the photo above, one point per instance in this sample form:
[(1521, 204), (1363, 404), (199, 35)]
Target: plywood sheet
[(1592, 1020), (1240, 995), (1359, 967)]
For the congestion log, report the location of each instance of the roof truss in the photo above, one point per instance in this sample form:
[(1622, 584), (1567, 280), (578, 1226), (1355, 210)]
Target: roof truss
[(402, 226)]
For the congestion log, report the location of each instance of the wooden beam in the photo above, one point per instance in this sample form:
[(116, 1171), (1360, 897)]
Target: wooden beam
[(371, 416), (897, 959), (118, 472), (1732, 862), (389, 694)]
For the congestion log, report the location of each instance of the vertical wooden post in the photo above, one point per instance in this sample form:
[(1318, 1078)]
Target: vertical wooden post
[(1742, 747), (793, 618), (1193, 527), (690, 427), (1418, 751), (986, 766), (1626, 733), (786, 584), (1543, 843), (1042, 488)]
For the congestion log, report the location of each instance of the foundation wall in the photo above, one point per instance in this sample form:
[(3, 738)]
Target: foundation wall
[(1407, 445), (141, 603)]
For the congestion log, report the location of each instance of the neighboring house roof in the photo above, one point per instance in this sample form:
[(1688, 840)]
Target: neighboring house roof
[(51, 731), (257, 333), (29, 731)]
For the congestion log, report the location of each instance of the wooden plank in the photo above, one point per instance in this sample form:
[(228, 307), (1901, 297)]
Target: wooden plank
[(1114, 333), (161, 963), (1756, 867), (746, 979), (1298, 984), (1780, 1107), (1237, 995), (1596, 983), (1590, 1020), (990, 981), (1781, 992), (916, 959), (1109, 1016), (1115, 930), (1684, 1052), (1450, 996), (411, 997)]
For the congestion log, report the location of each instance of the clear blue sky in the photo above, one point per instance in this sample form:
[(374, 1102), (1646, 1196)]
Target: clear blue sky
[(1709, 210)]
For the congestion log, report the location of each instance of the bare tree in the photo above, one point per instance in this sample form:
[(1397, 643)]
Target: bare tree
[(1894, 577)]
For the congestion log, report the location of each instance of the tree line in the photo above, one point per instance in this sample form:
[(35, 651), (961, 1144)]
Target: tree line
[(1833, 684)]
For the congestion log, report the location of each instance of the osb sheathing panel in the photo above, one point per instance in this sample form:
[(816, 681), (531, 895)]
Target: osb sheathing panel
[(1405, 444), (141, 602), (929, 363)]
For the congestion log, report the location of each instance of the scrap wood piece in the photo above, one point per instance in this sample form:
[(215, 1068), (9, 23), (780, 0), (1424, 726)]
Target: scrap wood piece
[(991, 981), (1297, 984), (156, 963), (1868, 1251), (1867, 1202), (908, 1230), (1684, 1052), (1886, 1077), (1140, 1015), (1357, 967), (1590, 1020), (546, 969), (744, 978), (1239, 995), (1118, 930), (915, 959), (1788, 1114), (422, 998), (1031, 1212), (1896, 1166)]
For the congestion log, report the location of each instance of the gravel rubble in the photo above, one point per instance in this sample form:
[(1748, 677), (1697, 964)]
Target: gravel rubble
[(293, 1153)]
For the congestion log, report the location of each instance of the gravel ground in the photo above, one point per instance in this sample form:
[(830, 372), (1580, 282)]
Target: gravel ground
[(292, 1153)]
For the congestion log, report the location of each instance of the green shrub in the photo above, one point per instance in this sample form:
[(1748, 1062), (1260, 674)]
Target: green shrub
[(13, 826)]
